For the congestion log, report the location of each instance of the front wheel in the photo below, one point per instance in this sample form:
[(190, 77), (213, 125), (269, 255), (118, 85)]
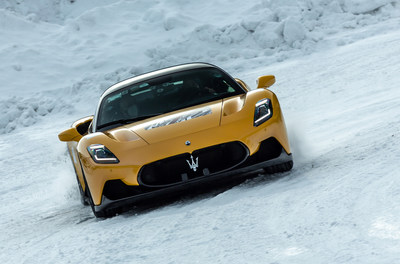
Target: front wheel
[(103, 213), (90, 200), (83, 194)]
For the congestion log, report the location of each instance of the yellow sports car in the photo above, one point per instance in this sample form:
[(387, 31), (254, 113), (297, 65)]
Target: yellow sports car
[(174, 129)]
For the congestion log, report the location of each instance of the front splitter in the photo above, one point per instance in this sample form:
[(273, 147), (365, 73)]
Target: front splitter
[(182, 187)]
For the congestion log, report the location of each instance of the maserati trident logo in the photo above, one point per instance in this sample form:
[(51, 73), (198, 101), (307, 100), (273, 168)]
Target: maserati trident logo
[(193, 165)]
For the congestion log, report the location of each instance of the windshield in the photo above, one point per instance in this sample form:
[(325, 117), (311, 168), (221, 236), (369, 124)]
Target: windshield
[(164, 94)]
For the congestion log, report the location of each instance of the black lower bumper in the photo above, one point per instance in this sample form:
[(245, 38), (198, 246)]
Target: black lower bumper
[(145, 194)]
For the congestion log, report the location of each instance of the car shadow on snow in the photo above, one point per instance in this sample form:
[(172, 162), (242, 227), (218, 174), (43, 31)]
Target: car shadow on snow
[(245, 180)]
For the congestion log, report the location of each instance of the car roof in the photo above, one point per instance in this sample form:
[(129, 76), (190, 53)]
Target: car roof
[(157, 73)]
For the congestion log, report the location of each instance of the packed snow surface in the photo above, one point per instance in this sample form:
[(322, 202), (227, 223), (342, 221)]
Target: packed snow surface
[(337, 66)]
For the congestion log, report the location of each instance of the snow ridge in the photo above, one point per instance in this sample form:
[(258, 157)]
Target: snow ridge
[(86, 31)]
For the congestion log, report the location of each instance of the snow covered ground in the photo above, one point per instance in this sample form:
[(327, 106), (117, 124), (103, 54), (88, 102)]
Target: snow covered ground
[(337, 66)]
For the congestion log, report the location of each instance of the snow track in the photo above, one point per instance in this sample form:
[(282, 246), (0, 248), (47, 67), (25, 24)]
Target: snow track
[(339, 204)]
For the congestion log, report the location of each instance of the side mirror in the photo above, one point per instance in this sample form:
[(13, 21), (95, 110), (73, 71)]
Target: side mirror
[(70, 134), (265, 81)]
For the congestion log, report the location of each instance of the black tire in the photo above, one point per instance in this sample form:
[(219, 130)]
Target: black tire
[(97, 214), (287, 166), (110, 212), (83, 194), (86, 197)]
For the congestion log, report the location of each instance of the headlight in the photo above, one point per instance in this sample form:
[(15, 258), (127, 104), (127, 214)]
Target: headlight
[(101, 154), (263, 111)]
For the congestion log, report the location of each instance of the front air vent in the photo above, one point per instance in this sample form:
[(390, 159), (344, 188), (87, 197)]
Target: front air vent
[(200, 163)]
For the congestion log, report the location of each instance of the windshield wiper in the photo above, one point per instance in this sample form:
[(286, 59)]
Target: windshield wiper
[(126, 120)]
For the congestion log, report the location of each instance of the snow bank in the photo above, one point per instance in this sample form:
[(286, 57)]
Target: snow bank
[(19, 112), (52, 11), (271, 31), (365, 7), (61, 45)]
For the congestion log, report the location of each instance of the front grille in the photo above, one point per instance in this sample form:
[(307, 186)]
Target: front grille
[(187, 166)]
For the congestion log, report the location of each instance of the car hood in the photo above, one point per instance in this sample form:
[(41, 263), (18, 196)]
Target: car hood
[(175, 124)]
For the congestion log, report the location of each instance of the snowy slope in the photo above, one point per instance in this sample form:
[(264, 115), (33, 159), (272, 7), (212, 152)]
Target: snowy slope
[(337, 65)]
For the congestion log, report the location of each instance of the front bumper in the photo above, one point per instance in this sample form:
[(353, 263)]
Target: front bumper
[(136, 195)]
